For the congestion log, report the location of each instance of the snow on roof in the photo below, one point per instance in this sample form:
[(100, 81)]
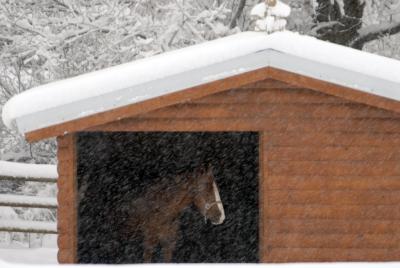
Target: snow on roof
[(12, 169), (169, 72)]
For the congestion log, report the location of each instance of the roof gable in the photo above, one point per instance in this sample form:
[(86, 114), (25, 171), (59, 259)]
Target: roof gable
[(213, 88), (267, 105), (138, 87)]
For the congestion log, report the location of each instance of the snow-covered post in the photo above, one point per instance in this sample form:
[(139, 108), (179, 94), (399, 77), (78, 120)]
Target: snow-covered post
[(270, 16)]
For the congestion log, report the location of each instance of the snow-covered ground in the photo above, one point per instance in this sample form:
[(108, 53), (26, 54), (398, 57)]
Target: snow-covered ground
[(25, 257), (16, 252), (28, 256), (36, 257)]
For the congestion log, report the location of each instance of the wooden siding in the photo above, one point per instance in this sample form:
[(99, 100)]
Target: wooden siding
[(330, 176), (67, 200)]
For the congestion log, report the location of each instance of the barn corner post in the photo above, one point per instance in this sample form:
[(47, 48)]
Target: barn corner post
[(67, 199), (263, 199)]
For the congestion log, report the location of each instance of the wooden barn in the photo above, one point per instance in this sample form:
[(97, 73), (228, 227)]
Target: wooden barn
[(321, 121)]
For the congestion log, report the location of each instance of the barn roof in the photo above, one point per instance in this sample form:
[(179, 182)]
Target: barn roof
[(147, 84)]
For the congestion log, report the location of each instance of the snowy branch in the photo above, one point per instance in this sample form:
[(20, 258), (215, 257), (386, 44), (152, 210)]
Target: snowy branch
[(373, 32), (64, 5), (238, 13), (323, 25)]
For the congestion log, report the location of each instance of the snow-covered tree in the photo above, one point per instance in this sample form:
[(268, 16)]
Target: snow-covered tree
[(355, 22), (47, 40)]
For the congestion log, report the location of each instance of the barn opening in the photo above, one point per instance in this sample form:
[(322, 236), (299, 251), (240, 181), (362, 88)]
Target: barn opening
[(115, 168)]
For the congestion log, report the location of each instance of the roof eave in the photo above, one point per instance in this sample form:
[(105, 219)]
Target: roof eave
[(216, 78), (142, 92)]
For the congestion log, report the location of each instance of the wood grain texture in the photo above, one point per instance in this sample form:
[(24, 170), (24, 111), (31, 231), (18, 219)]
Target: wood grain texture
[(335, 212), (334, 153), (335, 168), (281, 255), (343, 241), (67, 200), (346, 93), (288, 95), (335, 138), (337, 197), (256, 109), (349, 183), (253, 124), (329, 166), (269, 83), (263, 250), (338, 227), (207, 89), (283, 111)]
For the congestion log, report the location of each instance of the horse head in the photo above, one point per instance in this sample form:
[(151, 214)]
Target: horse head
[(207, 198)]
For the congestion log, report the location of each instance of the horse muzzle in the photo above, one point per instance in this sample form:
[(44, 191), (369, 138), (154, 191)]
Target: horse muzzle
[(215, 219)]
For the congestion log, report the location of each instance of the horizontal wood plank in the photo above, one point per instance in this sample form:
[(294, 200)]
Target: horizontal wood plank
[(325, 87), (331, 255), (269, 83), (246, 110), (254, 124), (271, 95), (339, 227), (335, 168), (339, 198), (334, 183), (344, 241), (348, 212), (338, 138), (326, 153), (187, 125)]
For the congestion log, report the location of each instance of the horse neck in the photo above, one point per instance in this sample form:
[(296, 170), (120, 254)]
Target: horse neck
[(185, 190)]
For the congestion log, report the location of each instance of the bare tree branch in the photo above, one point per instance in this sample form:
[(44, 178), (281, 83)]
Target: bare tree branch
[(373, 32), (238, 13), (347, 22), (320, 26)]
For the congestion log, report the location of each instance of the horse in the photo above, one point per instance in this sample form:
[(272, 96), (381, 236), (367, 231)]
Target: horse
[(156, 213)]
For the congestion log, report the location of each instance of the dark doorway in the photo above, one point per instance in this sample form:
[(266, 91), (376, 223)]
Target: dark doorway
[(115, 168)]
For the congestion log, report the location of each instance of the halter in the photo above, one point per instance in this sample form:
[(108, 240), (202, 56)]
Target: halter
[(208, 206)]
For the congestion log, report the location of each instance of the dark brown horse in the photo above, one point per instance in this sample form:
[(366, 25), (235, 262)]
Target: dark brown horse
[(156, 214)]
